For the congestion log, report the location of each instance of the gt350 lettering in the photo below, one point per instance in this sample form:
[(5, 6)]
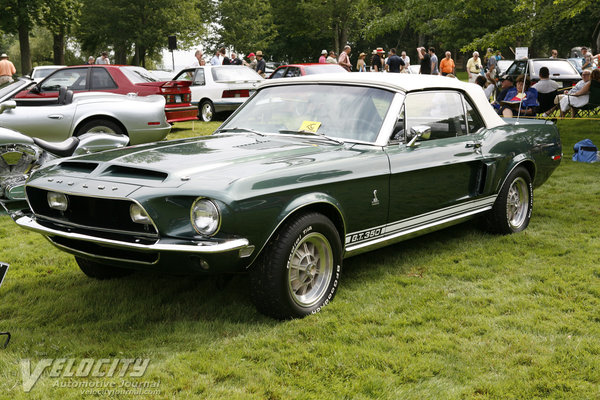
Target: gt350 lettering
[(365, 235)]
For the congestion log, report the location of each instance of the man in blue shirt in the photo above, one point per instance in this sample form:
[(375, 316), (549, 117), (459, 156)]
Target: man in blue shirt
[(394, 62)]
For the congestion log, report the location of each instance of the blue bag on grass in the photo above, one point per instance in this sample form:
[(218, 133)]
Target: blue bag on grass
[(585, 151)]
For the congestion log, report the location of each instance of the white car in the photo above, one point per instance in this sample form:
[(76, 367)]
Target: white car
[(37, 74), (219, 88)]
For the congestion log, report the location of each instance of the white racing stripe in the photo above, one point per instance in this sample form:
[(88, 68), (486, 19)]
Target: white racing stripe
[(409, 225)]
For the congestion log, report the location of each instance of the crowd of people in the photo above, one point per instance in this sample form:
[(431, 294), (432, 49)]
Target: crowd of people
[(256, 60)]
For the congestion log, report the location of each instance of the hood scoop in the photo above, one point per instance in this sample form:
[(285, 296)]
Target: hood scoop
[(120, 171), (77, 166)]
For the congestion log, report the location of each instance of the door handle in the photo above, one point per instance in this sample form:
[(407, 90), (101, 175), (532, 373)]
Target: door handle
[(55, 116)]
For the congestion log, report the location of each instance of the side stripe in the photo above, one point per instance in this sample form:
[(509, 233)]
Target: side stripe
[(423, 221)]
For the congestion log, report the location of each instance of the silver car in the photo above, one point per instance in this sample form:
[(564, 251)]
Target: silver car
[(141, 118)]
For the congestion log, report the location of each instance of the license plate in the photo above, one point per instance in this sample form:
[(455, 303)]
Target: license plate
[(178, 98)]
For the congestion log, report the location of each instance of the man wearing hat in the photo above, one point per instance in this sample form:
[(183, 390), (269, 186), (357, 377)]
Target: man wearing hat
[(261, 65), (252, 58), (377, 60), (7, 69), (323, 58)]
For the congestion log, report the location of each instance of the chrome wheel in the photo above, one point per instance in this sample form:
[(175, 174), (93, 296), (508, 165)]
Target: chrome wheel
[(207, 112), (310, 269), (517, 203), (101, 129)]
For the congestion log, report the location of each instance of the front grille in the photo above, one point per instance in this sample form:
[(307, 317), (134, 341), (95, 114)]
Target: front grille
[(90, 212)]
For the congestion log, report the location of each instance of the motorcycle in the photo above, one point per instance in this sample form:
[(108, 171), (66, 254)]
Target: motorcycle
[(20, 155)]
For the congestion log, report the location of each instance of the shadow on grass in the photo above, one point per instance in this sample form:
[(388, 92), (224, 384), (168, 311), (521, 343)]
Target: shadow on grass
[(150, 308)]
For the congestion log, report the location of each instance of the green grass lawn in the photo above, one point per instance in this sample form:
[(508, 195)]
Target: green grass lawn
[(458, 314)]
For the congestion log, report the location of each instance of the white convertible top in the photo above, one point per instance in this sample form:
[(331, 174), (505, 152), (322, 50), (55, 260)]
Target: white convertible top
[(404, 83)]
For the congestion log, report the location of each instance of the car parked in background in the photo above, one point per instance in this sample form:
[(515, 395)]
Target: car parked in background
[(503, 65), (307, 172), (561, 70), (295, 70), (119, 79), (40, 72), (220, 88), (141, 118), (414, 69)]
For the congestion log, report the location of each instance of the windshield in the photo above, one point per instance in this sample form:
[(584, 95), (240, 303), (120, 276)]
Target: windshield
[(556, 68), (138, 75), (8, 88), (43, 72), (234, 73), (352, 113)]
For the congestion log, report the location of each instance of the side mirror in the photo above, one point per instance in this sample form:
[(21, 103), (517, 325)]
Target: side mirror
[(419, 132), (7, 105), (35, 89)]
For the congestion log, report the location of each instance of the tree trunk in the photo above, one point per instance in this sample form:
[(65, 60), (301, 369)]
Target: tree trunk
[(120, 54), (596, 39), (136, 55), (25, 49), (58, 48), (336, 39)]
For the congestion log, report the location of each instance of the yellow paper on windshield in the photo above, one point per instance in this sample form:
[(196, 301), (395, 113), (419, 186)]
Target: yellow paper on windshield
[(310, 126)]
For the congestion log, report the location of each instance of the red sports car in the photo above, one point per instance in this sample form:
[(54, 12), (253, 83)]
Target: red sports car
[(292, 70), (121, 79)]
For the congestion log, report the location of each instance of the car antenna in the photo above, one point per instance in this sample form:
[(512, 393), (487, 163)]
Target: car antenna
[(524, 84)]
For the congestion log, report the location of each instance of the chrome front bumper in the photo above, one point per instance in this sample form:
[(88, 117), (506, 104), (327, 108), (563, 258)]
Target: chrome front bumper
[(175, 245)]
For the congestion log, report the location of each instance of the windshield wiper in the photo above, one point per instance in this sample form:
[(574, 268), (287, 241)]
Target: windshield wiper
[(241, 130), (303, 132)]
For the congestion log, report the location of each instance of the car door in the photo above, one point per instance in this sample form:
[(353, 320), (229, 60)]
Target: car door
[(49, 122), (442, 175)]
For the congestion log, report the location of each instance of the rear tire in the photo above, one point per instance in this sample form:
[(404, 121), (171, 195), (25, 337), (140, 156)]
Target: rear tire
[(299, 270), (512, 210), (206, 111), (101, 271), (100, 126)]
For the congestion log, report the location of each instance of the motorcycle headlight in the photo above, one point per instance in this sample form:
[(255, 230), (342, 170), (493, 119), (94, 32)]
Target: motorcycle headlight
[(205, 216), (58, 201)]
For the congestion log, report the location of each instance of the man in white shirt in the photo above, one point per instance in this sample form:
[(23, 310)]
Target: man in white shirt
[(103, 59), (199, 60), (406, 60), (545, 84)]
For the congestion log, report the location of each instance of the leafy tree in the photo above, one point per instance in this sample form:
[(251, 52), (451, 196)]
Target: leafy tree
[(60, 16), (245, 25), (20, 16), (140, 26)]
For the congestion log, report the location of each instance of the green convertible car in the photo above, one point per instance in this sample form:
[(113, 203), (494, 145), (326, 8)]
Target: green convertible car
[(307, 172)]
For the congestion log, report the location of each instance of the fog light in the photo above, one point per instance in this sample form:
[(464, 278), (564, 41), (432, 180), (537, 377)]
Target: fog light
[(58, 201), (138, 215)]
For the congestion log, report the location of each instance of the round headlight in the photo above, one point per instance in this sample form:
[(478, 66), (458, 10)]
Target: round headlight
[(205, 217), (57, 201)]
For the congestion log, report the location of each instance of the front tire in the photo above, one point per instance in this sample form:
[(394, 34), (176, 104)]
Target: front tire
[(206, 111), (512, 210), (299, 270), (101, 271)]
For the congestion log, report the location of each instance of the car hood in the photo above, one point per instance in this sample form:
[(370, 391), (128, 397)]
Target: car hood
[(214, 162)]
